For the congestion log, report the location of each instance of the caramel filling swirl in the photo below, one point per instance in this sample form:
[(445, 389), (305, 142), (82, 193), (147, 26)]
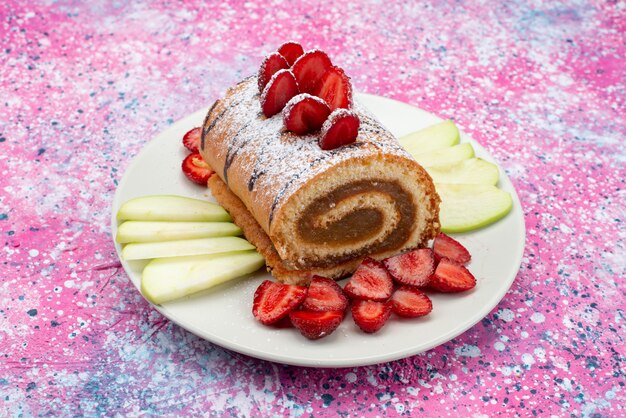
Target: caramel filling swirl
[(364, 215)]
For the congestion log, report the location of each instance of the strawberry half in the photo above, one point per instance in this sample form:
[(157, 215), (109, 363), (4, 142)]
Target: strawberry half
[(369, 315), (370, 281), (325, 295), (278, 91), (310, 68), (273, 301), (410, 302), (451, 277), (445, 246), (291, 51), (341, 128), (335, 88), (315, 325), (191, 140), (196, 169), (270, 65), (305, 113), (413, 268)]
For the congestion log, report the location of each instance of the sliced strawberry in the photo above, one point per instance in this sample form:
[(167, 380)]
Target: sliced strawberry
[(278, 91), (325, 295), (315, 325), (196, 169), (305, 113), (335, 88), (273, 301), (291, 51), (341, 128), (410, 302), (310, 68), (370, 281), (191, 140), (270, 65), (445, 246), (282, 323), (451, 277), (369, 315), (413, 268)]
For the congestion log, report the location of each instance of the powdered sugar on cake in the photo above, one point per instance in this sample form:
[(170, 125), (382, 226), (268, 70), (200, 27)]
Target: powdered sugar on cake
[(265, 149)]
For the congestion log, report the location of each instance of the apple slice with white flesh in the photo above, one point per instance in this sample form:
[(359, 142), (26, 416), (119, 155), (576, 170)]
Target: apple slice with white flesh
[(180, 248), (441, 135), (450, 155), (465, 207), (150, 231), (471, 171), (166, 279), (171, 208)]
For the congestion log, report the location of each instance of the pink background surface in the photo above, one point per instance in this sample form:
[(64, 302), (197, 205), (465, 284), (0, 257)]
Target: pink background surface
[(85, 85)]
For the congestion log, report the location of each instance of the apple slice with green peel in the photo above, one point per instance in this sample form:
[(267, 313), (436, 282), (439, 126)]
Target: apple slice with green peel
[(171, 208), (465, 207), (166, 279), (441, 135), (472, 171), (451, 155), (149, 231), (180, 248)]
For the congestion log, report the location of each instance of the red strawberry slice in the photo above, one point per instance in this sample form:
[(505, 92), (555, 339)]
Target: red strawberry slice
[(369, 315), (341, 128), (410, 302), (278, 91), (282, 323), (273, 301), (370, 281), (310, 68), (335, 88), (413, 268), (325, 295), (445, 246), (315, 325), (305, 113), (270, 65), (196, 169), (451, 277), (291, 51), (191, 140)]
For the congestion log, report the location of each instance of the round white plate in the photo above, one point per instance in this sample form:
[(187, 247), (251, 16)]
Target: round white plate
[(223, 315)]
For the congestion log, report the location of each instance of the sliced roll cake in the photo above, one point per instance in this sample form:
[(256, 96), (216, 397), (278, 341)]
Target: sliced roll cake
[(323, 211)]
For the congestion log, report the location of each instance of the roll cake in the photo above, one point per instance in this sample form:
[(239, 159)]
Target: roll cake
[(313, 211)]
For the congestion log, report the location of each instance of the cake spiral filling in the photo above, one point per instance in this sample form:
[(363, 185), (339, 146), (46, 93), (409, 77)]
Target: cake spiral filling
[(356, 219)]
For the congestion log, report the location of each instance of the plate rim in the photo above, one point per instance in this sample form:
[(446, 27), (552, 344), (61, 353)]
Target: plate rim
[(393, 355)]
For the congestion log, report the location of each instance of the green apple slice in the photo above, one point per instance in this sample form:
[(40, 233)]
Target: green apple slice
[(171, 208), (451, 155), (472, 171), (149, 231), (147, 250), (441, 135), (166, 279), (465, 207)]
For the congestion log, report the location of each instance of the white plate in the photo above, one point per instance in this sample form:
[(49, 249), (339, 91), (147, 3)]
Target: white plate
[(223, 315)]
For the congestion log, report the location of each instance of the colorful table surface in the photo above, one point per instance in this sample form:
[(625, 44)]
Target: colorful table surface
[(85, 85)]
